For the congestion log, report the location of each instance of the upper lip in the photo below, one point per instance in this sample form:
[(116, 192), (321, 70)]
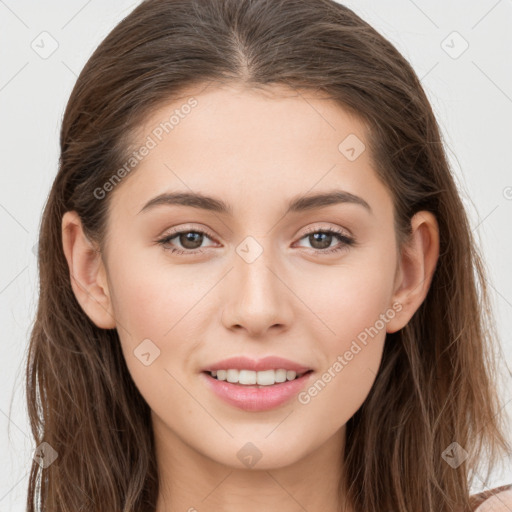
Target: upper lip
[(266, 363)]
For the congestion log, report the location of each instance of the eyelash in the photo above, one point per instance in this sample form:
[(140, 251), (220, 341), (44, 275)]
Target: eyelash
[(345, 240)]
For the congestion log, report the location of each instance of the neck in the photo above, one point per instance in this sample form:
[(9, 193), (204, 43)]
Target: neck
[(191, 481)]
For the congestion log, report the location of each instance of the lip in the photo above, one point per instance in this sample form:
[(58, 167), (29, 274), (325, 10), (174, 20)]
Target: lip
[(256, 398), (256, 365)]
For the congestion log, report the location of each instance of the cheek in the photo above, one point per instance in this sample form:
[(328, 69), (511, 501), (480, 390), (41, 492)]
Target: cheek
[(348, 299), (149, 298), (351, 353), (151, 311), (339, 391), (356, 308), (165, 304)]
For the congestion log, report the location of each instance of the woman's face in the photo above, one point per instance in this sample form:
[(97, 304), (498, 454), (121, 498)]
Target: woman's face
[(255, 279)]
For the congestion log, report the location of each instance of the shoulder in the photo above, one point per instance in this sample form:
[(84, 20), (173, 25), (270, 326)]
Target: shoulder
[(498, 499)]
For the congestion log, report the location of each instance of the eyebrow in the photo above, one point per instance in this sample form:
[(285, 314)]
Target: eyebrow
[(296, 204)]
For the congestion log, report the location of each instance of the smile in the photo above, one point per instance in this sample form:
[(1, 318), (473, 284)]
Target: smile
[(256, 397), (261, 378)]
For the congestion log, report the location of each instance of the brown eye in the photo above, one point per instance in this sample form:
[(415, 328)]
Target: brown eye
[(185, 242), (320, 240), (190, 239)]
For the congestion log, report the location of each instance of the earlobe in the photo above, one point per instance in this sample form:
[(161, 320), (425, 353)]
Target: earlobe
[(87, 272), (417, 264)]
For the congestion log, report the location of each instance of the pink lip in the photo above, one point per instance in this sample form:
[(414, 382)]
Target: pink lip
[(267, 363), (256, 398)]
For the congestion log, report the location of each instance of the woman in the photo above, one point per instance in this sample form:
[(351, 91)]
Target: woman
[(259, 286)]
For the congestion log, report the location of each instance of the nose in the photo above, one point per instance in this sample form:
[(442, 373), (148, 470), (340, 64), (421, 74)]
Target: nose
[(258, 297)]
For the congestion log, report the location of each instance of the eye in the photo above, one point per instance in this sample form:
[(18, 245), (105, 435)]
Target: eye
[(321, 239), (190, 239)]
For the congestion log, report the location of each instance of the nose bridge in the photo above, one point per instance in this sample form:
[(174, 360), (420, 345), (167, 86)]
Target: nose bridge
[(258, 299)]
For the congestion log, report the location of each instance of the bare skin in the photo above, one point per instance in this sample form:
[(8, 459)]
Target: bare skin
[(255, 151)]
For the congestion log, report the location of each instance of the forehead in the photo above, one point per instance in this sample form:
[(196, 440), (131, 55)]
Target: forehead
[(249, 146), (235, 116)]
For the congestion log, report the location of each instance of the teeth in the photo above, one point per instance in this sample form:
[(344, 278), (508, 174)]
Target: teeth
[(249, 377)]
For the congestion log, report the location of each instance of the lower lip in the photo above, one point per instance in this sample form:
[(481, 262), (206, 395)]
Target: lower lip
[(254, 398)]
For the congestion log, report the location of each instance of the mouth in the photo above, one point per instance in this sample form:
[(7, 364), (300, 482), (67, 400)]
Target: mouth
[(256, 379), (261, 391)]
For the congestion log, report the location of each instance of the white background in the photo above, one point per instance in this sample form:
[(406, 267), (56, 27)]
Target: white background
[(471, 96)]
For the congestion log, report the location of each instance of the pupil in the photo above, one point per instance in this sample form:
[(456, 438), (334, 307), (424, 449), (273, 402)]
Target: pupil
[(324, 244), (193, 238)]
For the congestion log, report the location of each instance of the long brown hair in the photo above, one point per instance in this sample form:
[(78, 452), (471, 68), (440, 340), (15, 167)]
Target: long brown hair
[(437, 380)]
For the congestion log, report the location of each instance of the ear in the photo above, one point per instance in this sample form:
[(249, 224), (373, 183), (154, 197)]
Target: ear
[(416, 267), (87, 272)]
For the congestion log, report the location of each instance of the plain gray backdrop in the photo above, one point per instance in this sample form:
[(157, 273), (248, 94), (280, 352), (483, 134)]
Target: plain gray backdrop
[(460, 50)]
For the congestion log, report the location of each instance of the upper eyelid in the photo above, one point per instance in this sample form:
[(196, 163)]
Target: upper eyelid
[(187, 229), (314, 229), (309, 230)]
